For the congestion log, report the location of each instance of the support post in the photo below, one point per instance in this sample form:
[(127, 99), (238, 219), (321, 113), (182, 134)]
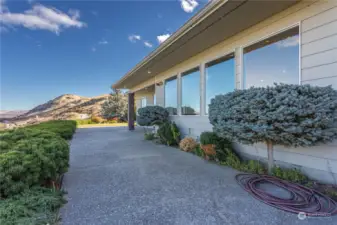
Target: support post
[(270, 150), (131, 111)]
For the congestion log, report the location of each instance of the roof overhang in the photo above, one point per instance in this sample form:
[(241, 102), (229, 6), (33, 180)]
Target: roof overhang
[(217, 21)]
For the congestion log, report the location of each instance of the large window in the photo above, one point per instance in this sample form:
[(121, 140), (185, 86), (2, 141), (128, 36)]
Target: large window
[(190, 87), (273, 60), (220, 77), (171, 95)]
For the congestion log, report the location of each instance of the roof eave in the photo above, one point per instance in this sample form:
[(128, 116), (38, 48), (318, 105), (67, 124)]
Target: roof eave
[(199, 17)]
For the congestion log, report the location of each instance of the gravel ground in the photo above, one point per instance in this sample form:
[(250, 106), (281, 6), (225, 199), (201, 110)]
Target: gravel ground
[(116, 177)]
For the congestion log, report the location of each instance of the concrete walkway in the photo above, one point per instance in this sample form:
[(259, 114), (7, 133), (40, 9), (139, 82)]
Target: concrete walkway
[(116, 177)]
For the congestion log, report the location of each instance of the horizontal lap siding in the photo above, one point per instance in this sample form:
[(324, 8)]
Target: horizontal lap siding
[(319, 48)]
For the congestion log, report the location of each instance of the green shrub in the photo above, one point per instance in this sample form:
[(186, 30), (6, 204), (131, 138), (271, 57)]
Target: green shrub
[(198, 151), (35, 206), (207, 138), (84, 122), (149, 136), (169, 134), (289, 115), (29, 157), (292, 175), (64, 128), (221, 144), (253, 166), (152, 115)]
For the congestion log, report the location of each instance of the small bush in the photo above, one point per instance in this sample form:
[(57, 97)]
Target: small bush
[(253, 166), (188, 144), (198, 151), (149, 136), (30, 157), (84, 122), (97, 119), (168, 133), (152, 115), (292, 175), (33, 206), (64, 128), (221, 145), (208, 138)]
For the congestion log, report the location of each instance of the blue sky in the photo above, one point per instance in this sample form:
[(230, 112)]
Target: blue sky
[(49, 48)]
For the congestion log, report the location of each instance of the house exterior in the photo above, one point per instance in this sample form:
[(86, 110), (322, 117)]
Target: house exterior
[(236, 44)]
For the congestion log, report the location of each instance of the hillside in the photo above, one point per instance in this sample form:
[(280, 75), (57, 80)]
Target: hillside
[(66, 106), (7, 114)]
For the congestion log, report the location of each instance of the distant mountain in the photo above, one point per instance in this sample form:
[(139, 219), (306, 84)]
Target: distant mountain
[(67, 106), (7, 114)]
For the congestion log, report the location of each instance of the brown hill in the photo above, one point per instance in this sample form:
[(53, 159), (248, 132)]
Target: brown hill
[(66, 106)]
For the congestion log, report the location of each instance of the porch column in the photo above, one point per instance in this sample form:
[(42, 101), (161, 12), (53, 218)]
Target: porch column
[(131, 111)]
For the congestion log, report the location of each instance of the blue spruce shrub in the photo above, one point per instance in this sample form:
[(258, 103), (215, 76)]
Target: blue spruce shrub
[(289, 115), (152, 115)]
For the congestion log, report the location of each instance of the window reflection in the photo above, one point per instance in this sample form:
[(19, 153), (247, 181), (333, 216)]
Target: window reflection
[(273, 60), (220, 75), (171, 95), (190, 85)]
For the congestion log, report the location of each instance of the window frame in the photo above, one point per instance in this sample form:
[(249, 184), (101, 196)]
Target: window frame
[(284, 29), (186, 72), (226, 54), (175, 77)]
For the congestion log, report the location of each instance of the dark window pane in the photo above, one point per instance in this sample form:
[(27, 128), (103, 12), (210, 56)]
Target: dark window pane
[(273, 60), (190, 85), (171, 96), (220, 77)]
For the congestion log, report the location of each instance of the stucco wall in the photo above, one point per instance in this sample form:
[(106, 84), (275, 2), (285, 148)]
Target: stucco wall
[(318, 34)]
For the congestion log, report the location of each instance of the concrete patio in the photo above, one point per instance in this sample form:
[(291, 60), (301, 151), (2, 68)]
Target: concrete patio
[(116, 177)]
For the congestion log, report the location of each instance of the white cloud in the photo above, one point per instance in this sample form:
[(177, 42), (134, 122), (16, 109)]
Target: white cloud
[(103, 42), (74, 13), (42, 18), (188, 5), (133, 38), (148, 44), (163, 37), (289, 42)]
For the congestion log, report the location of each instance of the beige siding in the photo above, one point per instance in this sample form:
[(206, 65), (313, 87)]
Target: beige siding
[(319, 49), (318, 23)]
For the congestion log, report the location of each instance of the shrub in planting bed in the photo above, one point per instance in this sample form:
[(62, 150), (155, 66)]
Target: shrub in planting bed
[(36, 206), (169, 133), (288, 115), (64, 128), (152, 115), (30, 157), (188, 144)]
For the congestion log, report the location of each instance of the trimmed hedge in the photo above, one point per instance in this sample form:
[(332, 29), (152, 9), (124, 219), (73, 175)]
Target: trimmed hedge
[(64, 128), (285, 114), (30, 157), (36, 206)]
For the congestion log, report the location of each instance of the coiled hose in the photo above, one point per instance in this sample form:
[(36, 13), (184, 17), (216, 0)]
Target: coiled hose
[(302, 199)]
